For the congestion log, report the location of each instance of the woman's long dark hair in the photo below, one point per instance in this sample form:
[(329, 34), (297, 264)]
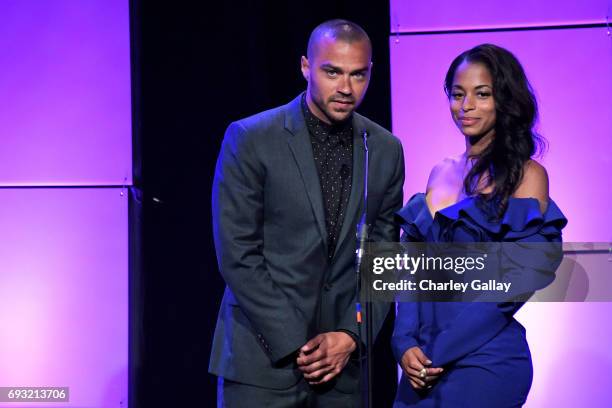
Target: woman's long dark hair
[(515, 140)]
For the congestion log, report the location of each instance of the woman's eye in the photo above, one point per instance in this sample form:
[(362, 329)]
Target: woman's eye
[(483, 94), (456, 95)]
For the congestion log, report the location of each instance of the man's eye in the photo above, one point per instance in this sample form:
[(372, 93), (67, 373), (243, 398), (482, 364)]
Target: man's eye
[(332, 73), (359, 75)]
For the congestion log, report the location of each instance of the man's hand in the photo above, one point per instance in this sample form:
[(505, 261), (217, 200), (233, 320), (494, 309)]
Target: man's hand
[(324, 357), (415, 365)]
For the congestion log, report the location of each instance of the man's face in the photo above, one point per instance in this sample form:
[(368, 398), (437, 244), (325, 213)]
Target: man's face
[(338, 74)]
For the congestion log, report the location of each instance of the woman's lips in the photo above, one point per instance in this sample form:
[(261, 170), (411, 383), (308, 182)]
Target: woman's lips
[(468, 121)]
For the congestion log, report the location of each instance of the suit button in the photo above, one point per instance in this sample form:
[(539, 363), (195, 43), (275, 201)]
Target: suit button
[(327, 286)]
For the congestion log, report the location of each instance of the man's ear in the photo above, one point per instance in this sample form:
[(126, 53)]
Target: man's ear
[(305, 68)]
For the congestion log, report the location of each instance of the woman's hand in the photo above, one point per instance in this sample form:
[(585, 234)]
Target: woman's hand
[(415, 365)]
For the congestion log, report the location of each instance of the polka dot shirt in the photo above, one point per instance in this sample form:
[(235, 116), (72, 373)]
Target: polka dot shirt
[(332, 147)]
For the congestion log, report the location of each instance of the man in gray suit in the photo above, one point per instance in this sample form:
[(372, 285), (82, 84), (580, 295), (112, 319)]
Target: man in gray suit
[(287, 196)]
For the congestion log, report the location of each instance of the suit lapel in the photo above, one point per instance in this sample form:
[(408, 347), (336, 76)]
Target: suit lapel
[(349, 223), (301, 148)]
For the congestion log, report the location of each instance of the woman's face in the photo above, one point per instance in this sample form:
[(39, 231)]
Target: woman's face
[(472, 103)]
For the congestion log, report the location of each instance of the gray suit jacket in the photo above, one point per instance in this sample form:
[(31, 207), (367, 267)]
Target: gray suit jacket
[(270, 239)]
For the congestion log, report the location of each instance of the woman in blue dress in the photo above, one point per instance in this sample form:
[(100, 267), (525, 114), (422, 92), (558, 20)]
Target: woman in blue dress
[(476, 354)]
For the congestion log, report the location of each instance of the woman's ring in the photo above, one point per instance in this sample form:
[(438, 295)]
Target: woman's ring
[(423, 373)]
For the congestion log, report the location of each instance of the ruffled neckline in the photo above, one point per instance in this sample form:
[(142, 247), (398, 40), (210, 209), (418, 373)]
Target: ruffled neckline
[(521, 218)]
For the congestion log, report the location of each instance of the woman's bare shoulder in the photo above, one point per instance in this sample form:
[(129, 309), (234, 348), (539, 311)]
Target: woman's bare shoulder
[(534, 184), (444, 169)]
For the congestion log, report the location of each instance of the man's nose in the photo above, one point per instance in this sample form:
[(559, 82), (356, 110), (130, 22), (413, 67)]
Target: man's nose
[(344, 85)]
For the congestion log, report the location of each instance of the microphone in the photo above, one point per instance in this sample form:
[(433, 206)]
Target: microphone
[(365, 370)]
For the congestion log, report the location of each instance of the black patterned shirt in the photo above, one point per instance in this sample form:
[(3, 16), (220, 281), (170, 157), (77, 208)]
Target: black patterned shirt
[(332, 147)]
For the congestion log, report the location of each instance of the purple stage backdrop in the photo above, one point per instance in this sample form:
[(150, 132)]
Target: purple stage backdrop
[(65, 118), (571, 71), (65, 110), (436, 15)]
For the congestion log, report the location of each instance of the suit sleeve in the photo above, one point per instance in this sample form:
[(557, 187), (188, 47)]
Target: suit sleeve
[(384, 229), (527, 267), (406, 329), (238, 208)]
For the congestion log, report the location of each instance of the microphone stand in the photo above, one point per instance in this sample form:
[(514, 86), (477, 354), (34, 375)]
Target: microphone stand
[(365, 374)]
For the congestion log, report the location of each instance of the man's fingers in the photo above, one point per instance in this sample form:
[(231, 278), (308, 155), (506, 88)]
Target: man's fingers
[(311, 368), (325, 361), (312, 344), (326, 378), (318, 374), (307, 359)]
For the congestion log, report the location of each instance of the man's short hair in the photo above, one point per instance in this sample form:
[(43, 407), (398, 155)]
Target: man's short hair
[(339, 30)]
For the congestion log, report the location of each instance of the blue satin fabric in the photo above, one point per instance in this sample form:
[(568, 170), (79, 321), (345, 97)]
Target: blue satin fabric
[(481, 346)]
